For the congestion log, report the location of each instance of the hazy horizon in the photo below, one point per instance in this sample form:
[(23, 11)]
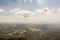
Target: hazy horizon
[(29, 11)]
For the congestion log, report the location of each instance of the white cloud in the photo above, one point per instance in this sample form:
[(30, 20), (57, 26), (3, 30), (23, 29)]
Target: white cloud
[(28, 0), (58, 10), (15, 9), (45, 12), (19, 12), (2, 10), (22, 14), (38, 1), (24, 0)]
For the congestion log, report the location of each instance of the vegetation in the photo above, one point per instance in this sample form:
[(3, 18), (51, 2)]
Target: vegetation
[(29, 32)]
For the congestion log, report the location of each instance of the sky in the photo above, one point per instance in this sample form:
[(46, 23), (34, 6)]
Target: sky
[(30, 11)]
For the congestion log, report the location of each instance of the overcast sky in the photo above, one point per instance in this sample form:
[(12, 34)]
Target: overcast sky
[(33, 11)]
